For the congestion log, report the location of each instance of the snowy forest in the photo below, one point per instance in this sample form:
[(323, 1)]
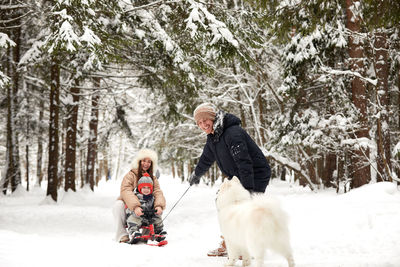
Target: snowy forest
[(86, 83)]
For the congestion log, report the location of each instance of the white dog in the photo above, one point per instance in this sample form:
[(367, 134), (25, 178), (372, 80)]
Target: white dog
[(250, 225)]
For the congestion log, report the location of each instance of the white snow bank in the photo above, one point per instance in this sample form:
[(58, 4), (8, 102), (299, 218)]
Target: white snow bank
[(357, 229)]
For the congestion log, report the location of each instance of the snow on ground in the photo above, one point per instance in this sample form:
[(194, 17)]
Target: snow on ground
[(361, 228)]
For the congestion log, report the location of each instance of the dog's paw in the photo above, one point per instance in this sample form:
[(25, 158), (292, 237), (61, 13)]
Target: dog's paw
[(291, 261), (246, 262), (230, 262)]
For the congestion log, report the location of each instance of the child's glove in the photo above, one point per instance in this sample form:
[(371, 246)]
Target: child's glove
[(158, 210), (138, 211), (194, 179)]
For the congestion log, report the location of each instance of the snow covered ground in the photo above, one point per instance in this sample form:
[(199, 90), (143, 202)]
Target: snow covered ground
[(361, 228)]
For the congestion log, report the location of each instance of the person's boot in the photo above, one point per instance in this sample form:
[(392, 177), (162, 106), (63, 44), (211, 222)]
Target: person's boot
[(220, 251), (135, 237), (124, 239), (161, 235)]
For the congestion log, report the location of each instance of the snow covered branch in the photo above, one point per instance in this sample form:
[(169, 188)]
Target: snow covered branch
[(348, 72), (290, 165)]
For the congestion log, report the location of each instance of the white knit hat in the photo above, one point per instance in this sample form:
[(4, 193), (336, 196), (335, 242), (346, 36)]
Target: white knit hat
[(204, 111), (145, 153)]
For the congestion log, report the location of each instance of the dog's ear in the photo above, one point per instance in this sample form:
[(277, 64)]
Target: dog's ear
[(224, 185), (235, 179)]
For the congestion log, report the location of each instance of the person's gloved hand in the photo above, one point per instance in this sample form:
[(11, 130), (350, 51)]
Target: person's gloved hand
[(158, 210), (194, 179), (138, 211)]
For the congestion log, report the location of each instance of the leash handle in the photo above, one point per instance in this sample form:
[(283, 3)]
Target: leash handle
[(176, 203)]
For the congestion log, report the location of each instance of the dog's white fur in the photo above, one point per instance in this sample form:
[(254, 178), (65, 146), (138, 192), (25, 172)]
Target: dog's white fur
[(251, 225)]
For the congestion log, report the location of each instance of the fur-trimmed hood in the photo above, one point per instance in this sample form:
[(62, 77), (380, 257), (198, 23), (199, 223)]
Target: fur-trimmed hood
[(145, 153)]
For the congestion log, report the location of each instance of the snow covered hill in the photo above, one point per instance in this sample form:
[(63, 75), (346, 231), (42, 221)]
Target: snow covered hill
[(360, 228)]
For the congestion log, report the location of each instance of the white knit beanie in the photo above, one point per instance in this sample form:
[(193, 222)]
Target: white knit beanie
[(146, 153), (204, 111)]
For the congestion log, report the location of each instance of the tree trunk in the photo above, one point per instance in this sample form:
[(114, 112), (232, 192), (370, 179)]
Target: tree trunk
[(92, 145), (320, 167), (70, 142), (341, 169), (242, 114), (182, 167), (300, 178), (189, 167), (82, 156), (261, 117), (52, 170), (13, 173), (39, 173), (173, 168), (283, 174), (178, 170), (382, 91), (105, 169), (238, 99), (98, 170), (362, 174), (274, 169), (261, 102), (329, 169), (311, 171), (10, 172), (310, 166), (16, 179), (81, 165), (119, 158), (215, 173), (398, 126), (27, 152)]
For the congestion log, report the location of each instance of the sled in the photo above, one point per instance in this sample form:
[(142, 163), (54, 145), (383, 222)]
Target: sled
[(148, 235)]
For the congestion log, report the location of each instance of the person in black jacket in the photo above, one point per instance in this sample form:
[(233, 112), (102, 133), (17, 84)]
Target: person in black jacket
[(234, 151)]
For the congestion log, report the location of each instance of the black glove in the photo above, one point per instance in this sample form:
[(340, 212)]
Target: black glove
[(194, 179)]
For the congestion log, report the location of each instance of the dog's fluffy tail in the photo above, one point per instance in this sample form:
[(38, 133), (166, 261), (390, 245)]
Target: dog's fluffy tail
[(272, 224), (270, 207)]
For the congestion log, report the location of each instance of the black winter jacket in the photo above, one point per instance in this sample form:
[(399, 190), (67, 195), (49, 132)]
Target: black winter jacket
[(236, 154)]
